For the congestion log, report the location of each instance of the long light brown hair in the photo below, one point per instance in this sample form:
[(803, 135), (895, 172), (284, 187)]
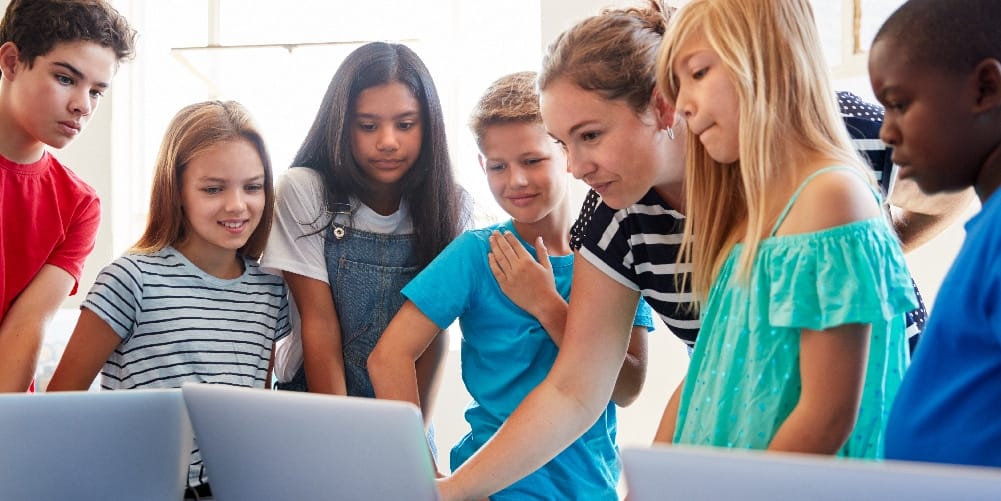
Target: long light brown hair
[(194, 129), (771, 51)]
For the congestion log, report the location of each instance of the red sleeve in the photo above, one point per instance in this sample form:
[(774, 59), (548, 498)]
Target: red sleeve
[(79, 242)]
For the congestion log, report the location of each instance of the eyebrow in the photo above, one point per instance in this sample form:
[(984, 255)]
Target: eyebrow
[(683, 59), (223, 180), (579, 126), (881, 95), (408, 114), (521, 156), (79, 74)]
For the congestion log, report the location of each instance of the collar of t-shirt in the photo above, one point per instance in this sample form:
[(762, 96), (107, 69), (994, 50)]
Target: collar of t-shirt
[(366, 219)]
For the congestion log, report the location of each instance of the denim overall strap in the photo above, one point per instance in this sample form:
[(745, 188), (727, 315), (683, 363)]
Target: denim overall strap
[(366, 272)]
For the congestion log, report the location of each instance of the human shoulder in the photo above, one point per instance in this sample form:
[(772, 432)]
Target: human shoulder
[(299, 196), (54, 174), (145, 261), (831, 198), (129, 271), (988, 217), (480, 237), (82, 189), (300, 179), (469, 249), (256, 276)]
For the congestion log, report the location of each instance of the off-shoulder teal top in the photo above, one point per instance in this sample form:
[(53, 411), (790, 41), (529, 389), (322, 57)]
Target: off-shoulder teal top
[(744, 379)]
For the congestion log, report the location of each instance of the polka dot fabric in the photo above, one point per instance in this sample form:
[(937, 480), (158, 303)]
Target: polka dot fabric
[(591, 202), (852, 105)]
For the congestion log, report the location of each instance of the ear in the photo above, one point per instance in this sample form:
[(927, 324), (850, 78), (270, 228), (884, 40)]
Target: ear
[(8, 59), (483, 162), (662, 109), (987, 76)]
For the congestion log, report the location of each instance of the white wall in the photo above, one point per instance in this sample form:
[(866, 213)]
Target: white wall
[(90, 157)]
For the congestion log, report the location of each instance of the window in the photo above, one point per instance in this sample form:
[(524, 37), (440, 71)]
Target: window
[(277, 60), (847, 28)]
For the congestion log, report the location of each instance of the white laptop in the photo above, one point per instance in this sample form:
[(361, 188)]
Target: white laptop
[(692, 473), (113, 445), (267, 445)]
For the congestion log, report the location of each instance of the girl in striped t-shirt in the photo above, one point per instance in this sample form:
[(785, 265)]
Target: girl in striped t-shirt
[(187, 303)]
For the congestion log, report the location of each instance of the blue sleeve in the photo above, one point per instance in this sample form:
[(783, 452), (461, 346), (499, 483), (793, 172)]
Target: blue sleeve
[(992, 275), (644, 316), (446, 287), (116, 295)]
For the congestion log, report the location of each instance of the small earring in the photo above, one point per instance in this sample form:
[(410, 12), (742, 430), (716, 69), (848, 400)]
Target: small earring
[(670, 133)]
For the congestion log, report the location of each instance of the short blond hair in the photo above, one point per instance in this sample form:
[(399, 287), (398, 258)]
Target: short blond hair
[(511, 98)]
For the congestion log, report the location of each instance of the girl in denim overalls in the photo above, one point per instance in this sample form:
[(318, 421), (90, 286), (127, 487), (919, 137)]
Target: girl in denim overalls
[(370, 200)]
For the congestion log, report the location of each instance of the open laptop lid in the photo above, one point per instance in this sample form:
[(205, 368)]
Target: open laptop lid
[(261, 444), (679, 472), (113, 445)]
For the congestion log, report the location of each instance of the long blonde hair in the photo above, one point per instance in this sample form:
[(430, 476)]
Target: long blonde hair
[(772, 53)]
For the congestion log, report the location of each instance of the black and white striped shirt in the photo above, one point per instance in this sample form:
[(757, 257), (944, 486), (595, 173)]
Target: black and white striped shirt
[(638, 247), (179, 324)]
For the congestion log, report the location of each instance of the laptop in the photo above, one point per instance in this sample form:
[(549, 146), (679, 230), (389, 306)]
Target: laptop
[(113, 445), (682, 472), (266, 445)]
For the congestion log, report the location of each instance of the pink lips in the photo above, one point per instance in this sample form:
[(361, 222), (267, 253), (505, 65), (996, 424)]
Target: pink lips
[(70, 128), (600, 188), (521, 200), (234, 226), (389, 163)]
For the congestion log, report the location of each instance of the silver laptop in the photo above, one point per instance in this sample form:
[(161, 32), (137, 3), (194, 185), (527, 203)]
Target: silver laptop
[(113, 445), (679, 472), (267, 445)]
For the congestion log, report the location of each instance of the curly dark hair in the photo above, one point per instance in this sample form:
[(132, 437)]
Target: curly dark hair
[(36, 26)]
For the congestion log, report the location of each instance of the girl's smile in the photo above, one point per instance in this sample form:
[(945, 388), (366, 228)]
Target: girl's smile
[(222, 195)]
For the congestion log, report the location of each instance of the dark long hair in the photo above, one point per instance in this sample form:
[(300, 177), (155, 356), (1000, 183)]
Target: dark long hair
[(428, 188)]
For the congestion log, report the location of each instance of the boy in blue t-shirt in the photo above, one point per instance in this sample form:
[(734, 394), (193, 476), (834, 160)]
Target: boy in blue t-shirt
[(512, 325), (936, 67)]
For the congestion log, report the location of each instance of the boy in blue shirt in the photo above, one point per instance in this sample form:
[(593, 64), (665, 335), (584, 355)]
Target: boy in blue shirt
[(936, 67), (512, 326)]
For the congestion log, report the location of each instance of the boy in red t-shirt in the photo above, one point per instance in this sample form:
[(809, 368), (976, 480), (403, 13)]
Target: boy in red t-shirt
[(57, 59)]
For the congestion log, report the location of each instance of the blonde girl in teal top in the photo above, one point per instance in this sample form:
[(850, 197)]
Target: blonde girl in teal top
[(801, 281)]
